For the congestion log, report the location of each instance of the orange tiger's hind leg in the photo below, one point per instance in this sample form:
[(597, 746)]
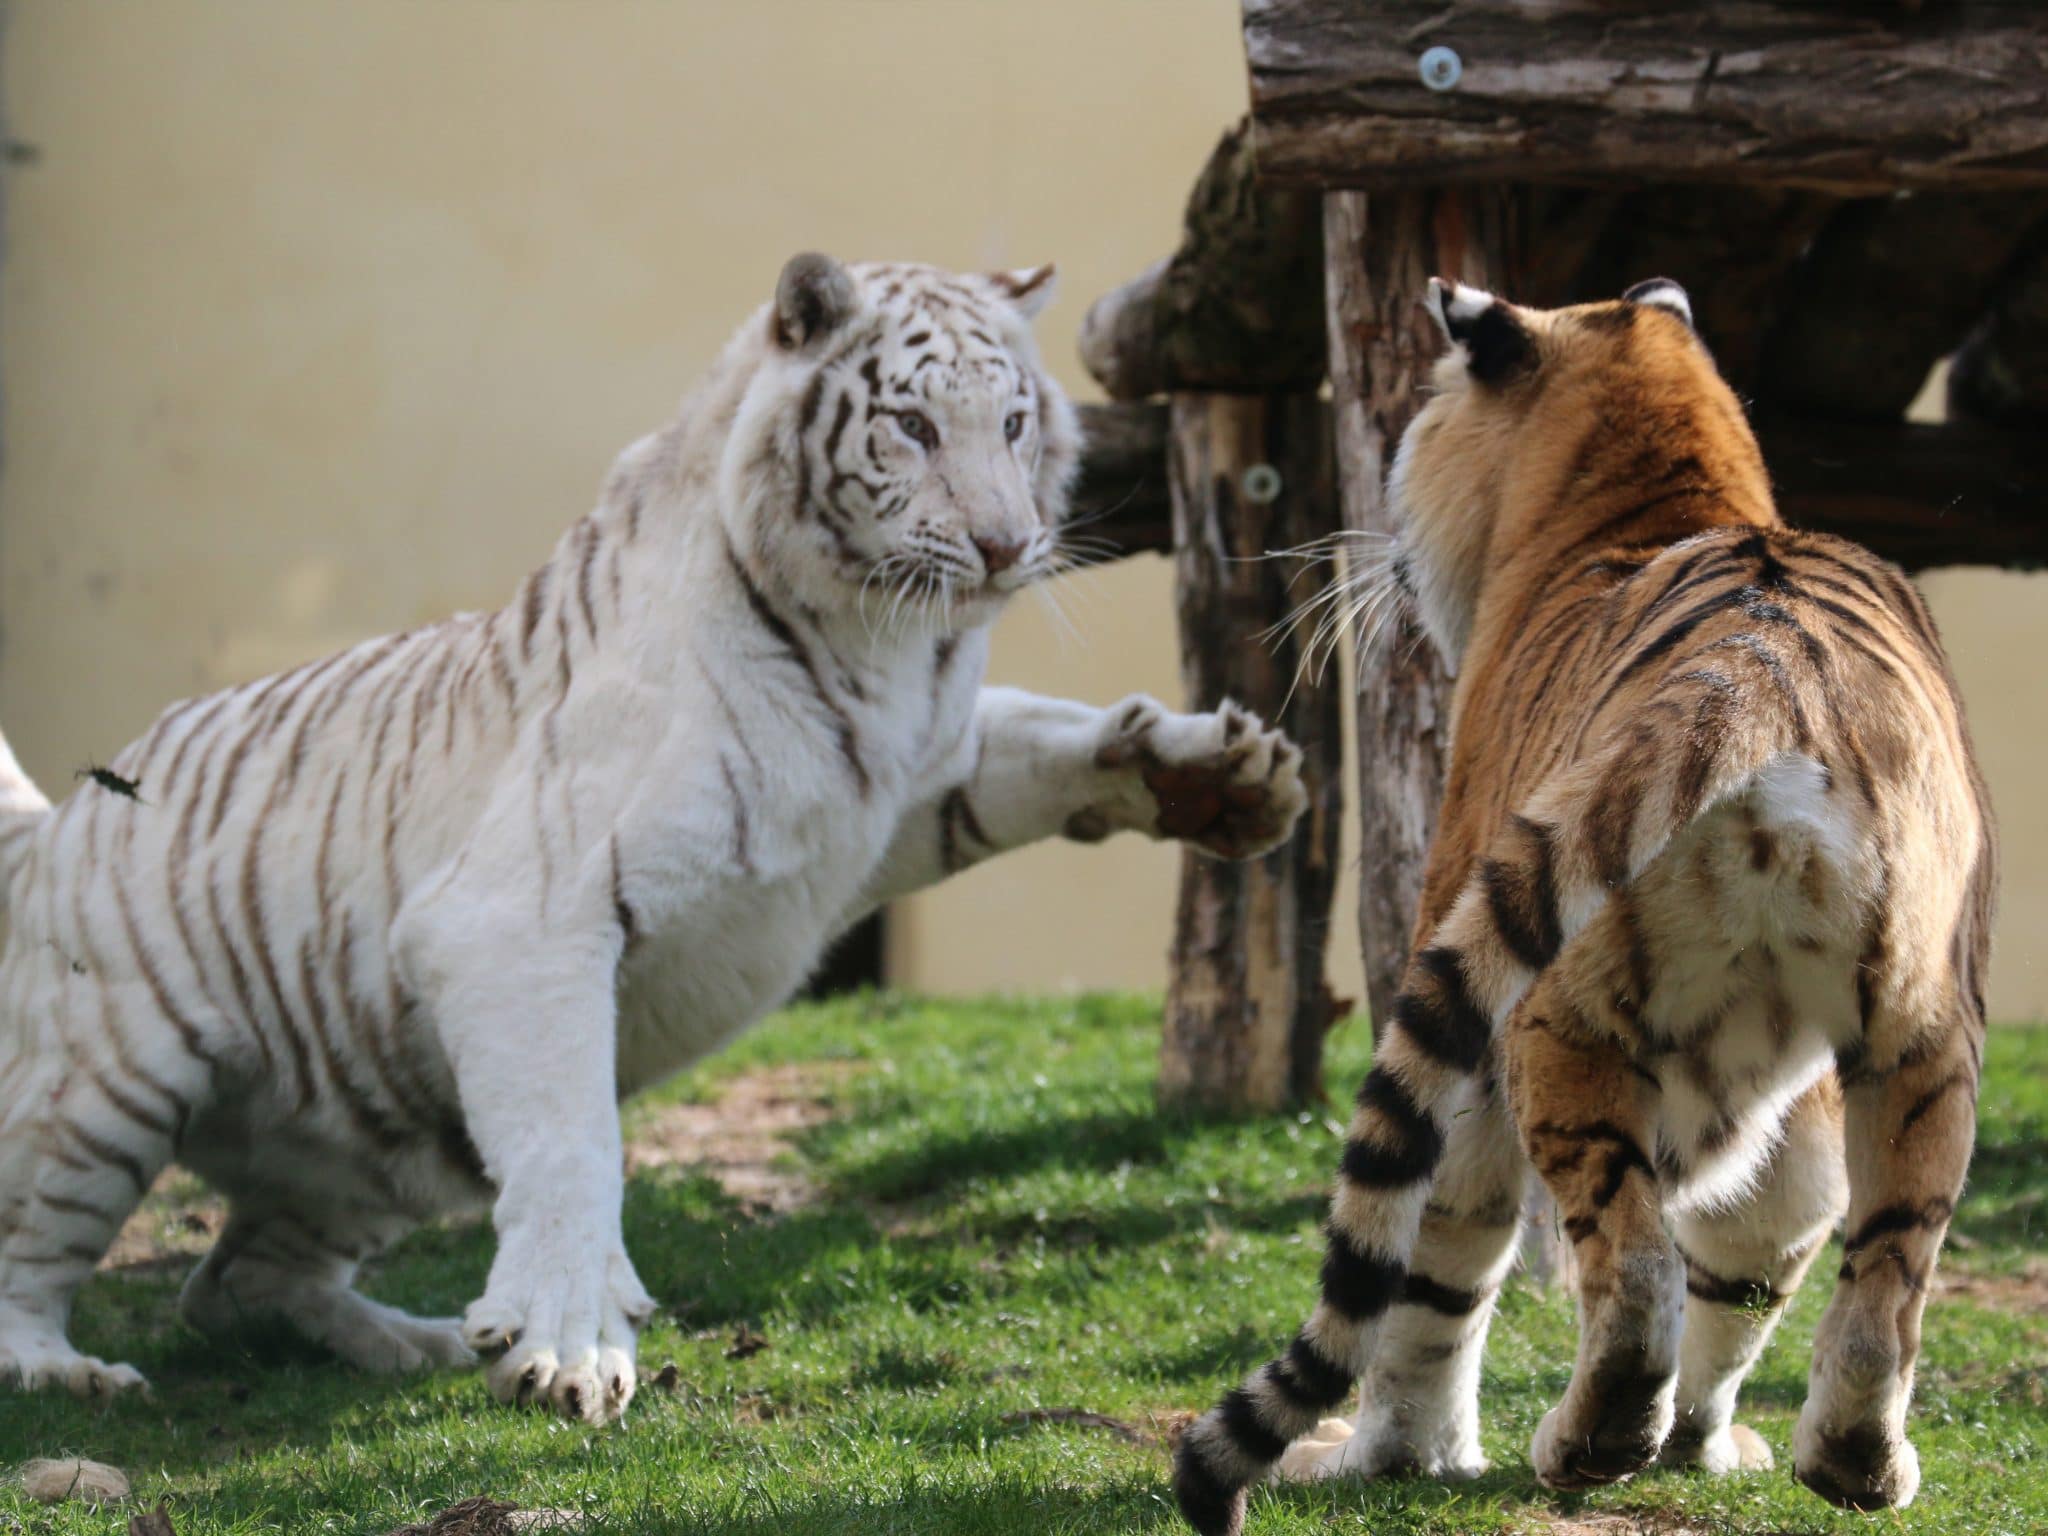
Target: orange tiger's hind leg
[(1419, 1402), (1742, 1265), (1909, 1125), (1588, 1119)]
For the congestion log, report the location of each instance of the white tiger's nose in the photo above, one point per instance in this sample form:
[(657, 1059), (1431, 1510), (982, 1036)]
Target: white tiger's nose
[(999, 554)]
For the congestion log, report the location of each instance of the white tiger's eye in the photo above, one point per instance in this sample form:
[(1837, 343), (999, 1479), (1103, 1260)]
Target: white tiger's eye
[(1014, 427), (918, 428)]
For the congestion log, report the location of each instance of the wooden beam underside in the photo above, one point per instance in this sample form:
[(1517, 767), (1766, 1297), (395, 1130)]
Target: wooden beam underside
[(1842, 98), (1925, 496)]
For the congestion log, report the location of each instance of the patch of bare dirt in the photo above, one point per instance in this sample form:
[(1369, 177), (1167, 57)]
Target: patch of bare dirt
[(1635, 1522), (741, 1140), (176, 1222), (483, 1516), (2025, 1292), (744, 1138)]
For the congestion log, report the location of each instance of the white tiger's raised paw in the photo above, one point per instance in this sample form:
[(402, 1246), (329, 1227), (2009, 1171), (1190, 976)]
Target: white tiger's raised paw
[(1222, 781), (561, 1335)]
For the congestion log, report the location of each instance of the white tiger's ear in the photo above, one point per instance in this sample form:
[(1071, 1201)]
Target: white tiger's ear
[(1029, 288), (1661, 293), (813, 298)]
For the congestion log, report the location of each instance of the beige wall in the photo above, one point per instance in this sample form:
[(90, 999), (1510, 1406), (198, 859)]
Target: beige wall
[(322, 318)]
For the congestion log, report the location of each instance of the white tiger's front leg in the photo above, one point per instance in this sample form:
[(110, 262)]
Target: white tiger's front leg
[(1032, 768), (527, 1018)]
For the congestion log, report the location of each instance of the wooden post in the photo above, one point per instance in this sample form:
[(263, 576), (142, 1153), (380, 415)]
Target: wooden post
[(1378, 257), (1247, 1005)]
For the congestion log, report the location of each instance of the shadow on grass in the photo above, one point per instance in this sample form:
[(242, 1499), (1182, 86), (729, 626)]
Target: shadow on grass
[(1099, 1141), (710, 1272), (1008, 1504), (2006, 1199)]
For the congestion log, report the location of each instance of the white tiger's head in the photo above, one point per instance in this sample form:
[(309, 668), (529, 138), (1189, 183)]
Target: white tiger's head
[(899, 449)]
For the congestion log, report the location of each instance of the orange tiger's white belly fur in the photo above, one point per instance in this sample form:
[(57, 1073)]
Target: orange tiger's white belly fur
[(1755, 917)]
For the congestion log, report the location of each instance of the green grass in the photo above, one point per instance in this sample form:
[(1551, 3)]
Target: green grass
[(1006, 1224)]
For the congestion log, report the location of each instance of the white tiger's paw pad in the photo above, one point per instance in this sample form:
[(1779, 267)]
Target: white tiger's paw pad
[(1316, 1454), (593, 1386), (35, 1367), (1221, 780), (1369, 1449), (1738, 1448), (567, 1343), (390, 1340)]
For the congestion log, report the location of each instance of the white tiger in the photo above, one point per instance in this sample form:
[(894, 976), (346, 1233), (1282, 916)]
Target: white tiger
[(392, 933)]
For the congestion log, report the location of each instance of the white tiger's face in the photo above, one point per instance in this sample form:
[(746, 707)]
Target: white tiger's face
[(929, 452)]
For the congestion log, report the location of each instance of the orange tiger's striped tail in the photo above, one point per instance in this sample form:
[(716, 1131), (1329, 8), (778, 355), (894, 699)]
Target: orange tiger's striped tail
[(22, 809), (1589, 832)]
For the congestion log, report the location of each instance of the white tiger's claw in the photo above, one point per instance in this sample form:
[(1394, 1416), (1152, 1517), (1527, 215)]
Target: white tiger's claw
[(561, 1335), (1222, 781)]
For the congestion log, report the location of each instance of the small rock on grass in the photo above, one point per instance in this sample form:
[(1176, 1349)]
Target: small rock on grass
[(52, 1481)]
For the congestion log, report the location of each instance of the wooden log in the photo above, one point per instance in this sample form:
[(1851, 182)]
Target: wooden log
[(1238, 307), (1848, 98), (1120, 498), (1378, 255), (2000, 373), (1731, 248), (1247, 1005), (1925, 496), (1888, 288)]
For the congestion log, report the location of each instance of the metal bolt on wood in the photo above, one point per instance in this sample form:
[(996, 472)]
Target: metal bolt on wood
[(1262, 484), (1440, 68)]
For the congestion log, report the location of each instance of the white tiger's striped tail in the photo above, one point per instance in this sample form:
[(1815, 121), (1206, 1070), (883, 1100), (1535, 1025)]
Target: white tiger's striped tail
[(22, 809)]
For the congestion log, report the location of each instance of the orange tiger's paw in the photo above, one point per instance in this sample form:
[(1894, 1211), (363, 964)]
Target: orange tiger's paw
[(1861, 1468)]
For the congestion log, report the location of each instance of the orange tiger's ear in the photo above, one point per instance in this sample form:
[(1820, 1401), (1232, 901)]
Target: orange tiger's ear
[(1028, 287), (1662, 293), (1498, 347), (813, 298)]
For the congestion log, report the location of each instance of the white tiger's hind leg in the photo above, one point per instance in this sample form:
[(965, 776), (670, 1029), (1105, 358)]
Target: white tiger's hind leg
[(80, 1144), (273, 1267), (1742, 1265), (1419, 1401)]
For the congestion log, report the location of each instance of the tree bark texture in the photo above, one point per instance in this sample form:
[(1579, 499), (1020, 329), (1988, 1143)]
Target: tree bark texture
[(2001, 370), (1247, 1002), (1925, 496), (1844, 98), (1238, 307), (1379, 253), (1890, 287)]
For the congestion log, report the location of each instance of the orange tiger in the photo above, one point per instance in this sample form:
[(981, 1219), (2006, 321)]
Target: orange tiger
[(1709, 905)]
